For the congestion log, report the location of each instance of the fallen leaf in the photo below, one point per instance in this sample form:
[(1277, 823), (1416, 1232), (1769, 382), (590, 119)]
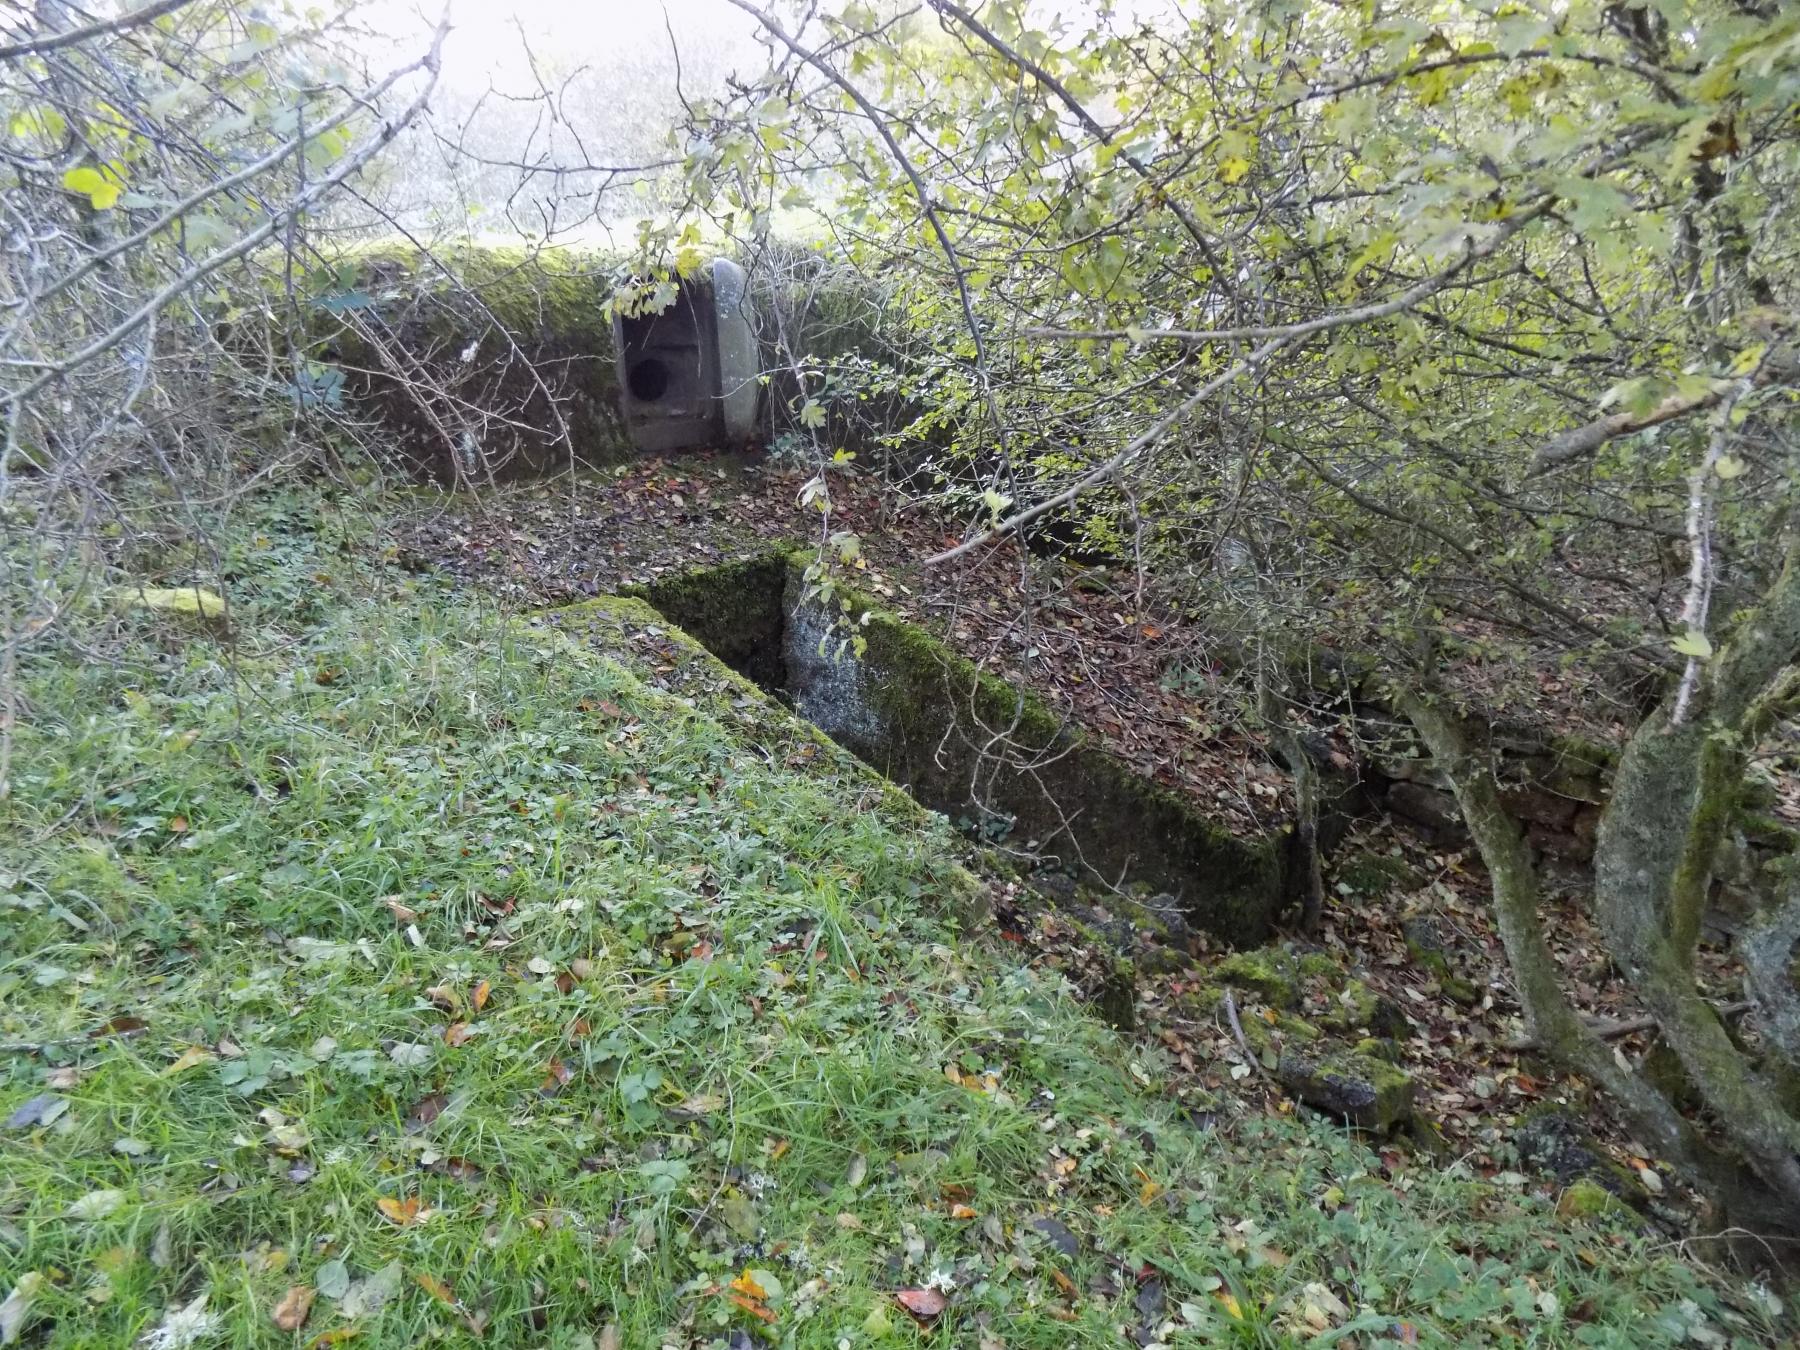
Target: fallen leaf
[(17, 1308), (95, 1205), (478, 999), (556, 1077), (40, 1110), (370, 1296), (410, 1054), (436, 1288), (402, 912), (458, 1034), (295, 1307), (194, 1054), (122, 1025), (700, 1104), (185, 1325), (336, 1336), (752, 1307), (403, 1211), (333, 1279), (426, 1110), (923, 1304), (460, 1169), (610, 1337), (1064, 1283)]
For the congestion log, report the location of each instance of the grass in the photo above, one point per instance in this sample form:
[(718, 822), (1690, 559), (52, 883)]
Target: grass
[(454, 970)]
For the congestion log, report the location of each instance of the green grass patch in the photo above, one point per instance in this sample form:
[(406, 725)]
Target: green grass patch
[(449, 968)]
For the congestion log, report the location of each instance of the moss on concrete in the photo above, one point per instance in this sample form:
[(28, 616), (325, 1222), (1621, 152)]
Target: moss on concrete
[(927, 717), (736, 612), (523, 338)]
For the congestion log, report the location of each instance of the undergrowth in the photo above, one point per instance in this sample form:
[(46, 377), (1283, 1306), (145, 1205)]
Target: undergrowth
[(447, 969)]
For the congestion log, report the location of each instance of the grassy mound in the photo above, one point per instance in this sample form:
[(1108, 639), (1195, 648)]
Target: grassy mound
[(400, 972)]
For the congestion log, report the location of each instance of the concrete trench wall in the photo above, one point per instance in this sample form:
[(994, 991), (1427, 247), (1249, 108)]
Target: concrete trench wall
[(970, 745)]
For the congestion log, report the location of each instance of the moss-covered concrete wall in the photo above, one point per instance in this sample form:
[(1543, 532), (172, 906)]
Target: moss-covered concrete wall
[(480, 363), (736, 611), (965, 742)]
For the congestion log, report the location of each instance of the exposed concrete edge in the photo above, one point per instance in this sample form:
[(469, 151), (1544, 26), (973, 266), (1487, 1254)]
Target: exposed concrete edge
[(1243, 911), (754, 711)]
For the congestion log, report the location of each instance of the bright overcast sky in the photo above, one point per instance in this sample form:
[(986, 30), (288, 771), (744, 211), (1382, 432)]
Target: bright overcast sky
[(485, 42)]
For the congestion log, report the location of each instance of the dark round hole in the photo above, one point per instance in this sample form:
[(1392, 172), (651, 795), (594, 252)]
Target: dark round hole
[(648, 380)]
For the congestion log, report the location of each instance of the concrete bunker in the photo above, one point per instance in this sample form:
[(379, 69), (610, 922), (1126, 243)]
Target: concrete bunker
[(688, 374), (972, 746)]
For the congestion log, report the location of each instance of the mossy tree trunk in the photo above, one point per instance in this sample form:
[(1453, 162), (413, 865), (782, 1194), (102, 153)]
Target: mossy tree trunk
[(1275, 710), (1672, 794), (1672, 797)]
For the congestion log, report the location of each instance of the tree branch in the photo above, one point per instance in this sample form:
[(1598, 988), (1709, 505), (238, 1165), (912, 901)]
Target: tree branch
[(1279, 338), (55, 41)]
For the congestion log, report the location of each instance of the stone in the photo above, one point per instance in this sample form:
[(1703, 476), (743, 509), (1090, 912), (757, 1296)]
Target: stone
[(1538, 805), (1588, 1199), (1269, 974), (1356, 1007), (1554, 1144), (1116, 998), (1167, 917), (1426, 806), (1563, 845), (1053, 883), (1354, 1087), (1425, 940), (1374, 874), (1426, 944)]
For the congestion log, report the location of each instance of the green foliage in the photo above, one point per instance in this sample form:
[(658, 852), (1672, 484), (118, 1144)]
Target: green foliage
[(1092, 175)]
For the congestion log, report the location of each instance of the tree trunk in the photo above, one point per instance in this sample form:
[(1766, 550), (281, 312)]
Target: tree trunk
[(1551, 1020), (1272, 708)]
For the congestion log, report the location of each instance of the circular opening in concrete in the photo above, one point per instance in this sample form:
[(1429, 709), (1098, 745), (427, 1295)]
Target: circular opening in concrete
[(648, 380)]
